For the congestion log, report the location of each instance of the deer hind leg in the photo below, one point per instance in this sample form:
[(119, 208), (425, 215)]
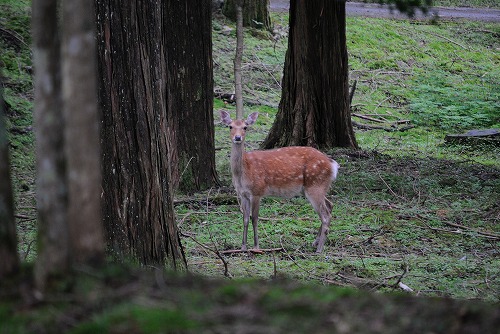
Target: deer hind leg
[(255, 219), (323, 208), (245, 207)]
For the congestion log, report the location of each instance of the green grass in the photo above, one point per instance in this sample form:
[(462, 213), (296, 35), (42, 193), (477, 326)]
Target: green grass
[(467, 3), (455, 3), (16, 69)]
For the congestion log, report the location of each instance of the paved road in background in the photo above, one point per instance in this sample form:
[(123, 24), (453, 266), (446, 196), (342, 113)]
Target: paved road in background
[(375, 10)]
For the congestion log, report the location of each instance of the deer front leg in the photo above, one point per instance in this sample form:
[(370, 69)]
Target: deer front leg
[(245, 206), (255, 218)]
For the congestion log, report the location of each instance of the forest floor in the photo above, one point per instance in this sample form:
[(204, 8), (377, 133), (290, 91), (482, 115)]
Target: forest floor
[(414, 243)]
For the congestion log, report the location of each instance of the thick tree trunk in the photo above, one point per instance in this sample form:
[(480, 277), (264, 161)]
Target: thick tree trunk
[(81, 133), (188, 47), (314, 108), (9, 263), (255, 13), (53, 243), (136, 134)]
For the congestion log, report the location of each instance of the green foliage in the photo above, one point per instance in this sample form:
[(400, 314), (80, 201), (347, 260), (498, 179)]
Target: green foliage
[(442, 76), (16, 72)]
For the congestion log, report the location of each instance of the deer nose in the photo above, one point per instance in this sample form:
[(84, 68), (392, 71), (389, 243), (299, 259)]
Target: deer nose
[(237, 139)]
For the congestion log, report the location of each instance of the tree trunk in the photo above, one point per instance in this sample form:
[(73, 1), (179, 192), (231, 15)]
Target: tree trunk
[(238, 87), (314, 107), (82, 147), (188, 48), (255, 13), (9, 263), (136, 135), (53, 244)]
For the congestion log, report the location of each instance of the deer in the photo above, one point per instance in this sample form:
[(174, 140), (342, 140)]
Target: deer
[(283, 172)]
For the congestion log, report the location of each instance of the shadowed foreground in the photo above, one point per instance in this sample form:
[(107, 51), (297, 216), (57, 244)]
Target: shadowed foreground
[(120, 301)]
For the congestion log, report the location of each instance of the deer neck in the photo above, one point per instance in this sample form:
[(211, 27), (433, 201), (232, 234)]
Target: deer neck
[(237, 152)]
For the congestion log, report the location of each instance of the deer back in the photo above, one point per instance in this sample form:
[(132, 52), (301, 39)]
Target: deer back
[(287, 171)]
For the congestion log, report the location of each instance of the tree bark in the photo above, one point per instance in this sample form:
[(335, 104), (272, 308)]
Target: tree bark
[(9, 263), (53, 244), (136, 136), (314, 107), (189, 77), (82, 132), (238, 90), (255, 13)]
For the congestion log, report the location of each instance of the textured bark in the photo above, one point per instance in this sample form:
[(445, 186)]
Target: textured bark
[(238, 90), (82, 132), (53, 244), (188, 48), (9, 263), (136, 135), (314, 107), (255, 13)]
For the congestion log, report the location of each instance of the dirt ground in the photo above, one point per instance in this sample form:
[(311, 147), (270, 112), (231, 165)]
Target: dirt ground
[(382, 11)]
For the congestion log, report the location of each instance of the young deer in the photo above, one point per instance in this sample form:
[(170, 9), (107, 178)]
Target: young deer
[(283, 172)]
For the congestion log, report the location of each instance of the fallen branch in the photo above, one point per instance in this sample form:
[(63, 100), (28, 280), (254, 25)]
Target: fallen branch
[(486, 234), (376, 127), (253, 250), (14, 35), (24, 217), (368, 118), (480, 233), (215, 251)]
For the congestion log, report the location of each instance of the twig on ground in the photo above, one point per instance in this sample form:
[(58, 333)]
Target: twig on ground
[(24, 217), (252, 250), (368, 118), (267, 70), (376, 127), (308, 272), (28, 250), (485, 234), (380, 103), (15, 35), (183, 219), (390, 189), (400, 277), (216, 251)]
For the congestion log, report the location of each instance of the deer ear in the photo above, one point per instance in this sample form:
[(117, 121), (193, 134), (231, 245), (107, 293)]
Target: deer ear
[(252, 118), (225, 118)]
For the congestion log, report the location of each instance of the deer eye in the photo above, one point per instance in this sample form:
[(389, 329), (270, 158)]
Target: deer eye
[(230, 127), (245, 128)]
